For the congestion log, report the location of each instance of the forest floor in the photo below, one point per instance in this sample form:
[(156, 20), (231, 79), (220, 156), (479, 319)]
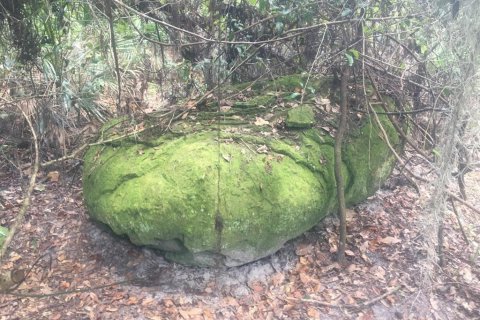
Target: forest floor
[(84, 272)]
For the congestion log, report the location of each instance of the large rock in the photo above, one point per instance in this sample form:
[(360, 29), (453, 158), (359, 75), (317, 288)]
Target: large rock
[(233, 187)]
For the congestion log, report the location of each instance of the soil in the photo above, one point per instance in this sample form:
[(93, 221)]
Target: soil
[(83, 271)]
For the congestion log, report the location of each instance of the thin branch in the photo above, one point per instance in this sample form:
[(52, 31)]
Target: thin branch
[(26, 198), (70, 156), (394, 122), (457, 214), (108, 7), (60, 293), (297, 31), (339, 178), (350, 306), (401, 113), (465, 203)]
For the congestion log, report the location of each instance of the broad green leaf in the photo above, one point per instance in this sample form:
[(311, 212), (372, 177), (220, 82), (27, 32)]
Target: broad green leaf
[(294, 95), (349, 59)]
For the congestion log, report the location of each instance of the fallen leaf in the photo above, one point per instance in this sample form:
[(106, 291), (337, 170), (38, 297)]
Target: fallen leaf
[(191, 104), (277, 278), (378, 272), (261, 122), (227, 157), (262, 149), (305, 278), (360, 295), (39, 187), (389, 240), (303, 261), (352, 268), (193, 311), (313, 313), (303, 249), (256, 286), (53, 176), (350, 214), (132, 301), (349, 253), (225, 108), (208, 314)]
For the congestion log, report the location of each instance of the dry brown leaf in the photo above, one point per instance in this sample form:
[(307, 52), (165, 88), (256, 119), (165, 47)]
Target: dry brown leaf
[(131, 301), (261, 122), (378, 272), (191, 104), (350, 214), (303, 261), (208, 314), (231, 301), (111, 309), (262, 149), (360, 295), (313, 313), (256, 286), (349, 253), (148, 301), (389, 240), (168, 303), (53, 176), (304, 278), (184, 314), (56, 316), (64, 285), (352, 268), (195, 311), (303, 249), (277, 278)]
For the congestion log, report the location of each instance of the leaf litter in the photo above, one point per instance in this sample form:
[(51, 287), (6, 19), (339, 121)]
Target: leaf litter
[(300, 281)]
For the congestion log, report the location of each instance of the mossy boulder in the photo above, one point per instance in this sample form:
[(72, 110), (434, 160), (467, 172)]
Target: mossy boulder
[(230, 189)]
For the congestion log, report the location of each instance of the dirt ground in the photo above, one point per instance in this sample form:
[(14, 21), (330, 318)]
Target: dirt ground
[(85, 272)]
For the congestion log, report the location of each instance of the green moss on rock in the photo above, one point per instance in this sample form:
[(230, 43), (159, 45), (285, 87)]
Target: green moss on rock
[(300, 117), (230, 194)]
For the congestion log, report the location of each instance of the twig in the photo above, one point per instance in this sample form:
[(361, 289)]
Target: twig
[(465, 203), (297, 31), (393, 120), (457, 214), (337, 150), (26, 199), (59, 293), (108, 7), (351, 306), (401, 113)]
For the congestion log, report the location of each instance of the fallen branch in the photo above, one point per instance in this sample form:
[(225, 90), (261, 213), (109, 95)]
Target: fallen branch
[(26, 199), (70, 156), (350, 306)]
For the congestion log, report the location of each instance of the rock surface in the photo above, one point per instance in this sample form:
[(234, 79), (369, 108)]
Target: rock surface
[(229, 186)]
